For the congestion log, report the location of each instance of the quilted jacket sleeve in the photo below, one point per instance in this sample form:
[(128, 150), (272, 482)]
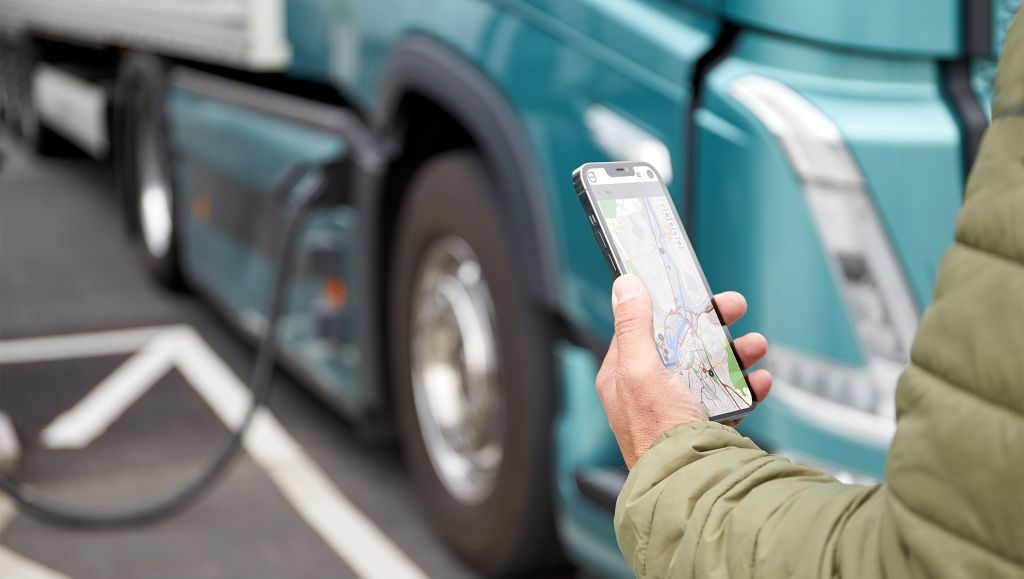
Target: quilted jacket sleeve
[(706, 502)]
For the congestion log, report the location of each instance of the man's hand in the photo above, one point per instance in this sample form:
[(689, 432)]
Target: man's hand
[(642, 398)]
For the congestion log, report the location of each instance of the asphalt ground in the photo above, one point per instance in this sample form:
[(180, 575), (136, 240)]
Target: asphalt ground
[(66, 267)]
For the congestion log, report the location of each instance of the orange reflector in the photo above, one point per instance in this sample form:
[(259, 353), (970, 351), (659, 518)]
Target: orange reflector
[(201, 206), (336, 292)]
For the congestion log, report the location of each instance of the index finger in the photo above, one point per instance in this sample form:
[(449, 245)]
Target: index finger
[(731, 305)]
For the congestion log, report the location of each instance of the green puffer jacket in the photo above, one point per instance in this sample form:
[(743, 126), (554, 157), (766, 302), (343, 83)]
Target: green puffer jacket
[(706, 502)]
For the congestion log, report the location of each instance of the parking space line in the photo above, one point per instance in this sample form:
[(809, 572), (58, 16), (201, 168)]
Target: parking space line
[(78, 426), (342, 526), (10, 447), (85, 345), (345, 529), (14, 565), (7, 511)]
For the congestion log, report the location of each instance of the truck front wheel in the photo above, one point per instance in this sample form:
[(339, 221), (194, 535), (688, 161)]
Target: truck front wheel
[(471, 371)]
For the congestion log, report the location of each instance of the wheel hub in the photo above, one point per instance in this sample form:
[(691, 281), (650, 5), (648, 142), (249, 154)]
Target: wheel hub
[(455, 370)]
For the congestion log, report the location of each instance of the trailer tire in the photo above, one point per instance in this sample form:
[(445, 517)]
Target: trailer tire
[(452, 247), (143, 164)]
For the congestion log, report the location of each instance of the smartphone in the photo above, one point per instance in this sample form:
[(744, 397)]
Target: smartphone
[(639, 231)]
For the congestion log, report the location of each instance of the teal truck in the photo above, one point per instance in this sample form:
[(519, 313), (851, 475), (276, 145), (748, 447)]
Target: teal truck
[(450, 292)]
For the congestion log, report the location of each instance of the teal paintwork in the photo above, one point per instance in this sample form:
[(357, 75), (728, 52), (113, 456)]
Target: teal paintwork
[(1002, 14), (871, 67), (309, 33), (584, 442), (236, 159), (983, 72), (896, 123), (905, 139), (781, 428), (925, 27), (753, 232)]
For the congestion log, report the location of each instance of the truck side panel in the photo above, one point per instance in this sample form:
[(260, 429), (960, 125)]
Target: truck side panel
[(557, 63), (232, 168)]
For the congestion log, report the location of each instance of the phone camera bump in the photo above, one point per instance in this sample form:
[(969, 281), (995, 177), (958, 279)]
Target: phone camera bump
[(592, 176)]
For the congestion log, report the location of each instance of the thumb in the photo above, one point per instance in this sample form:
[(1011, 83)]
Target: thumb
[(634, 326)]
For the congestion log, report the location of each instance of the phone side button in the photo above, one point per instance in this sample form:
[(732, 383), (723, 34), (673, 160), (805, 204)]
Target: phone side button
[(593, 219), (600, 237)]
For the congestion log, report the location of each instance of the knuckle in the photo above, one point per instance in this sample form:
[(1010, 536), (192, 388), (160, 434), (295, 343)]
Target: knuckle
[(602, 382), (626, 371), (629, 322), (634, 374)]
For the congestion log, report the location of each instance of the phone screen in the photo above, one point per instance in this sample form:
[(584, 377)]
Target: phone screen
[(648, 240)]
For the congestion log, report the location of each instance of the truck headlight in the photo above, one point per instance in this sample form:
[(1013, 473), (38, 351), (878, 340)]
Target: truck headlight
[(880, 304)]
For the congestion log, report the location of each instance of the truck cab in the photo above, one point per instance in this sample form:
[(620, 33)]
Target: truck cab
[(452, 295)]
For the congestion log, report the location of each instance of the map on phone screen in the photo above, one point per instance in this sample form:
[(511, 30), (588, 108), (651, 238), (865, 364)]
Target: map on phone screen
[(687, 331)]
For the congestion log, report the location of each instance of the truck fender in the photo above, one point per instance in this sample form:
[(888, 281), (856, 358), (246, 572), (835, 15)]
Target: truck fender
[(425, 66)]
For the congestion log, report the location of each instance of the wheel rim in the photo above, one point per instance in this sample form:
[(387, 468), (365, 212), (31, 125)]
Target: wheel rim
[(154, 186), (455, 370)]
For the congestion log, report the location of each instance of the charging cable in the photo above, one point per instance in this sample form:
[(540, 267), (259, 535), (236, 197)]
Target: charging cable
[(303, 195)]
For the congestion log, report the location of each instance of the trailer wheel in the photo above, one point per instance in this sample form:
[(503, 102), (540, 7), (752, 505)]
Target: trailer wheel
[(471, 372), (144, 166)]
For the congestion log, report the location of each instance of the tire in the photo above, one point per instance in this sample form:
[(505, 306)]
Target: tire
[(143, 165), (504, 524), (18, 105)]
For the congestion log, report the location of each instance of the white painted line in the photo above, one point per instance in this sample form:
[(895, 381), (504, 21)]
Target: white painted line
[(7, 511), (10, 448), (350, 533), (86, 345), (12, 564), (84, 422), (345, 529), (342, 526)]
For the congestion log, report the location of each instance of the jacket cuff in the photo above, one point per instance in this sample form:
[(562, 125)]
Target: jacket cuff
[(704, 435)]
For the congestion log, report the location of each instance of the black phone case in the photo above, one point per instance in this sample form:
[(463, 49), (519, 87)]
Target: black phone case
[(595, 224)]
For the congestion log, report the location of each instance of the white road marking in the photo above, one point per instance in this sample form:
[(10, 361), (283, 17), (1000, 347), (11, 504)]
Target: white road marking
[(15, 565), (7, 511), (342, 526), (92, 415), (345, 529), (86, 345), (10, 448)]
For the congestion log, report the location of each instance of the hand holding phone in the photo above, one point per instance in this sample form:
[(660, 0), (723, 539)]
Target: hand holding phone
[(639, 231), (641, 397)]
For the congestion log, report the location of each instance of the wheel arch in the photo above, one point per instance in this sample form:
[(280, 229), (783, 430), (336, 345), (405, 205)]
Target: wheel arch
[(432, 99), (423, 71)]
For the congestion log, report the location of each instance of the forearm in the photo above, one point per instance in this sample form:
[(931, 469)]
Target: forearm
[(705, 501)]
